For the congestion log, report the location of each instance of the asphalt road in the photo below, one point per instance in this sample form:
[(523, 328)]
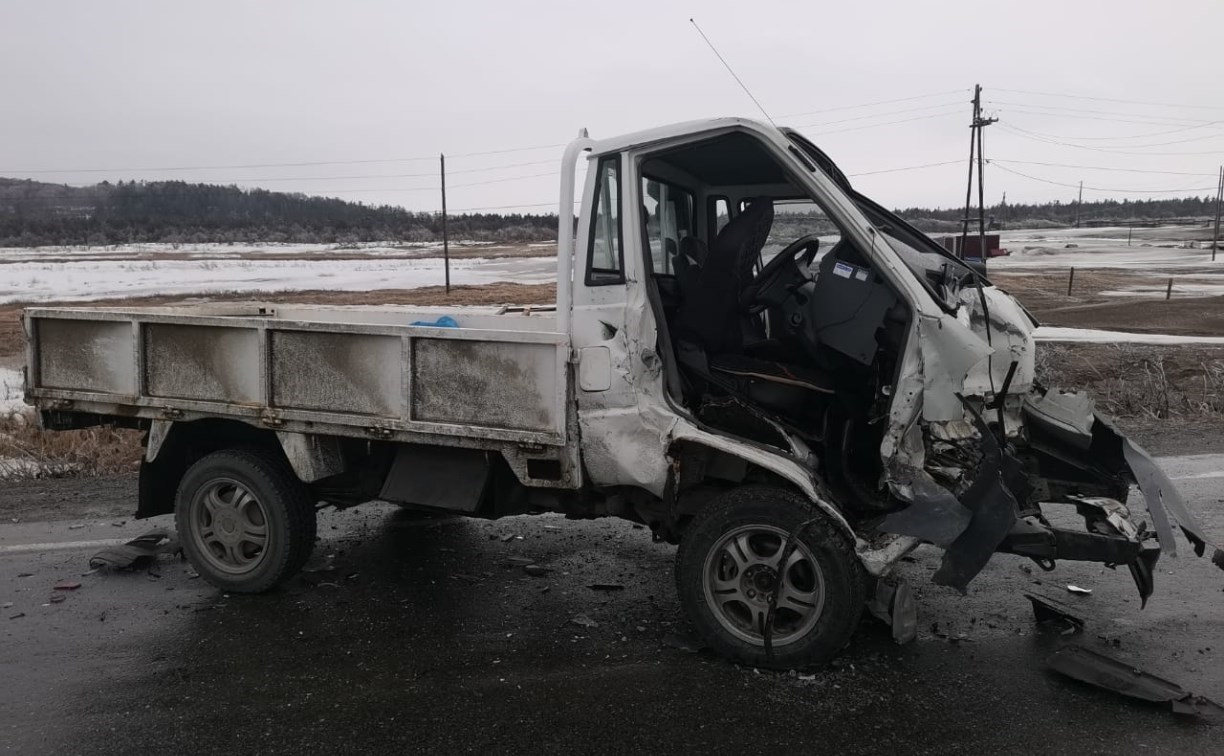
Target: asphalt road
[(424, 635)]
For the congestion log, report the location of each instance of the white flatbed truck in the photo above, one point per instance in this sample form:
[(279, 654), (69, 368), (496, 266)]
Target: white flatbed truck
[(746, 355)]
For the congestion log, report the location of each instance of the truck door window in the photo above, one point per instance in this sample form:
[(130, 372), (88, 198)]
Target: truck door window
[(668, 214), (606, 264), (794, 219)]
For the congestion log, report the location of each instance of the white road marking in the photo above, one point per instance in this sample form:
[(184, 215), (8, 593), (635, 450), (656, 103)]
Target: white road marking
[(26, 548)]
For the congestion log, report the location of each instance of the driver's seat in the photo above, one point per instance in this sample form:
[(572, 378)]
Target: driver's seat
[(710, 315)]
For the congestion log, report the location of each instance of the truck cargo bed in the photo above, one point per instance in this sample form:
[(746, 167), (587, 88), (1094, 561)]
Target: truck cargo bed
[(358, 371)]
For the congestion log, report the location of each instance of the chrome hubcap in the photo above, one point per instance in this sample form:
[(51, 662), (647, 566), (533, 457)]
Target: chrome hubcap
[(229, 526), (742, 572)]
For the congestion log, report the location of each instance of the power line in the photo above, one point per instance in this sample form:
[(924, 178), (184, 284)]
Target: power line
[(1039, 138), (885, 113), (1110, 119), (906, 168), (1156, 118), (1111, 99), (872, 104), (1105, 189), (1098, 168), (886, 123), (1130, 136)]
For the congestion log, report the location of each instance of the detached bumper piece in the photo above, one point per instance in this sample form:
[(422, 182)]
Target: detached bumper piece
[(1111, 539)]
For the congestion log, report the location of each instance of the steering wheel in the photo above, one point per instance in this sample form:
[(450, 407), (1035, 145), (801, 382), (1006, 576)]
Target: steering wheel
[(809, 245)]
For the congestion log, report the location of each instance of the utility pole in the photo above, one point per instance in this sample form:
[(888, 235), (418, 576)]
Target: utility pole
[(1006, 211), (975, 148), (1215, 238), (1078, 203), (445, 236)]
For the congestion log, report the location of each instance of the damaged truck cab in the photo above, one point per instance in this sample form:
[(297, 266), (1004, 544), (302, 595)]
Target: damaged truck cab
[(748, 356)]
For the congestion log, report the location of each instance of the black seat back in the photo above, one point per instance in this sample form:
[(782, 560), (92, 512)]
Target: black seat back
[(710, 313)]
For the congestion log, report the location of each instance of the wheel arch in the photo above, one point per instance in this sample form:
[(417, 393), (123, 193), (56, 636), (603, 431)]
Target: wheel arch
[(704, 459), (173, 447)]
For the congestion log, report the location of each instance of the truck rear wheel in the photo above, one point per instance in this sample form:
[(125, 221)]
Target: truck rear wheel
[(727, 567), (245, 521)]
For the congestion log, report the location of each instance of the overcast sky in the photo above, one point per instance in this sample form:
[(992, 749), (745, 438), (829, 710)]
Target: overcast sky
[(127, 86)]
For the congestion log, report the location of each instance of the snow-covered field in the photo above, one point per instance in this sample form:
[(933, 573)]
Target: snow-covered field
[(33, 281), (1157, 251)]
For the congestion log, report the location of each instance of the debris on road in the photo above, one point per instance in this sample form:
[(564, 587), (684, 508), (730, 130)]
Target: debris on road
[(1110, 674), (137, 552), (519, 561), (536, 570), (606, 587), (57, 598), (18, 615), (66, 585), (581, 620), (1079, 591), (1049, 611)]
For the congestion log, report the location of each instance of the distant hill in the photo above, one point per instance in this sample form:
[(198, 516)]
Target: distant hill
[(33, 213)]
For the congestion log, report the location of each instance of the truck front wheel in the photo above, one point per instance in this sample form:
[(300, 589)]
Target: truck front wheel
[(245, 521), (728, 566)]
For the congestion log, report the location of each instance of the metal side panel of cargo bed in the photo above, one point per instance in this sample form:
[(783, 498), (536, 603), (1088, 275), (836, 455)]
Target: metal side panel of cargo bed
[(369, 379)]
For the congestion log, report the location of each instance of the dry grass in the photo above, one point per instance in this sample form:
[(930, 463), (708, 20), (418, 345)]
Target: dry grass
[(1142, 381), (27, 451)]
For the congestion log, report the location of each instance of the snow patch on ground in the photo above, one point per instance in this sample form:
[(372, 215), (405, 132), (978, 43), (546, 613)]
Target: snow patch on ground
[(112, 279), (1098, 336), (11, 392)]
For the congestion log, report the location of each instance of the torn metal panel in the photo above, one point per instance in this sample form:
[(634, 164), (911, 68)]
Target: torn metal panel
[(1164, 501), (1110, 674), (949, 350), (994, 514), (933, 514), (1010, 335), (882, 553), (1067, 415), (139, 551), (1048, 610)]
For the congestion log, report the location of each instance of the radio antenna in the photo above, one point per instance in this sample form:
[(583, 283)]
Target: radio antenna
[(732, 72)]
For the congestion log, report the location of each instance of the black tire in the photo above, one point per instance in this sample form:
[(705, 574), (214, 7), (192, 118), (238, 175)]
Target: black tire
[(286, 514), (816, 638)]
